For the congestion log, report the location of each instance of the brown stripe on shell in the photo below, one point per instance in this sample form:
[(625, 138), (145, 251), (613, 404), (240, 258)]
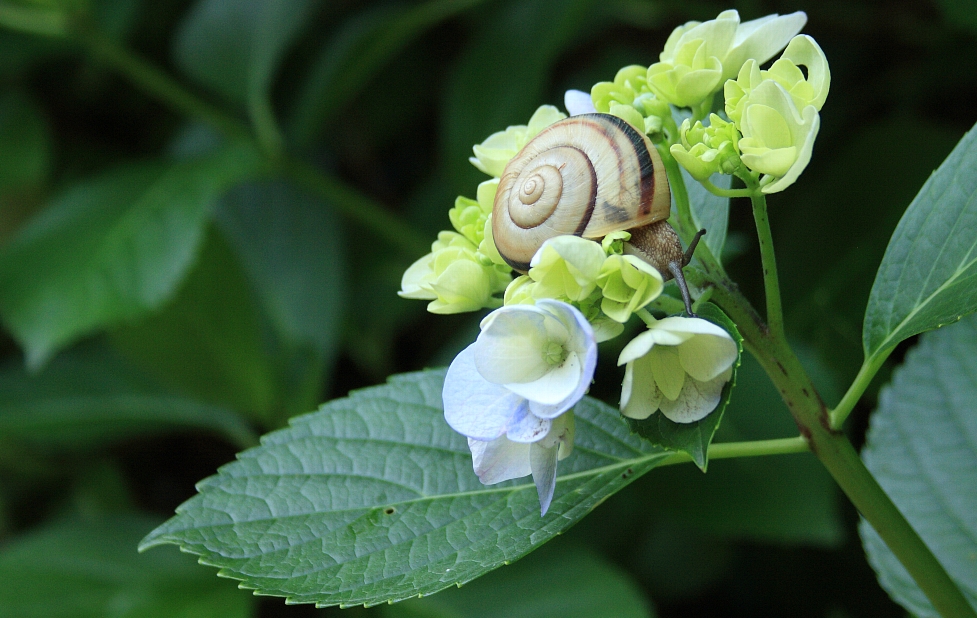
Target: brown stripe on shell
[(645, 164), (585, 219)]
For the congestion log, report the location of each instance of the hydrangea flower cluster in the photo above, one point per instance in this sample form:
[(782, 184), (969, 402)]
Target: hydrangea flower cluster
[(512, 391)]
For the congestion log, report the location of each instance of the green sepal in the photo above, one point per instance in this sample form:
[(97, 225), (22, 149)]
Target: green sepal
[(693, 438)]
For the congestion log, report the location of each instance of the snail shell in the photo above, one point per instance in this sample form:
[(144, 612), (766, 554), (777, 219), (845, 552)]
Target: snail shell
[(588, 175)]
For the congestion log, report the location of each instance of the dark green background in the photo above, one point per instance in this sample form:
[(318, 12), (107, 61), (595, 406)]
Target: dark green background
[(288, 303)]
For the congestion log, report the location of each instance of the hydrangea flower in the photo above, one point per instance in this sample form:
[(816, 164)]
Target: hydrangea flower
[(492, 155), (508, 391), (699, 57), (454, 277), (706, 150), (566, 267), (777, 112), (679, 366)]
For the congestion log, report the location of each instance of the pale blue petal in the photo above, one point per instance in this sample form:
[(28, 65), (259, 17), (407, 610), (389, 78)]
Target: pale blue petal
[(473, 406), (526, 427), (542, 461), (499, 460), (578, 102)]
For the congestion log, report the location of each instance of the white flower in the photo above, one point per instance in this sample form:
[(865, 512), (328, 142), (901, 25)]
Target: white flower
[(699, 57), (508, 391), (679, 366)]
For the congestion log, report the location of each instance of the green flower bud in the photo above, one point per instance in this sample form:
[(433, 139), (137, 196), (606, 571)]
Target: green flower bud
[(628, 284), (613, 243), (520, 291), (777, 140), (628, 84), (706, 150), (453, 277), (492, 155), (487, 247), (566, 267), (469, 216)]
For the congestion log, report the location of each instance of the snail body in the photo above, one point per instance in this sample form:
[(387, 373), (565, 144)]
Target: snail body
[(588, 175)]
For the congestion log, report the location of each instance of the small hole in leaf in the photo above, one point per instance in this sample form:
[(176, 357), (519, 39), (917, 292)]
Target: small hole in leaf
[(389, 510)]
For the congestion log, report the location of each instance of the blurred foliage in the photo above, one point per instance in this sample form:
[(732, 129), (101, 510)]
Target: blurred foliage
[(206, 207)]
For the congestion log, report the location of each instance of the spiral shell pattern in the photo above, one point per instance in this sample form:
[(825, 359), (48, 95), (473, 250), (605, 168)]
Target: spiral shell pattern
[(588, 175)]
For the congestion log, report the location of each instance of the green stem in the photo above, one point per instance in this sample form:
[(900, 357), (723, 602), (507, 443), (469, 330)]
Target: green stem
[(665, 303), (838, 456), (725, 192), (756, 448), (686, 222), (157, 83), (345, 199), (865, 375), (46, 22), (771, 282)]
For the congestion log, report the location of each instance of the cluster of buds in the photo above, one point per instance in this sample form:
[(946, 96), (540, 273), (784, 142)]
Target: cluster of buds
[(512, 391)]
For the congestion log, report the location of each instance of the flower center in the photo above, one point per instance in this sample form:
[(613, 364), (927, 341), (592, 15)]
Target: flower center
[(555, 354)]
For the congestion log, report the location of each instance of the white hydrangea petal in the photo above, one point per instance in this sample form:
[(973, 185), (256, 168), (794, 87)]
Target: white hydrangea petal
[(499, 460), (557, 385), (697, 400), (512, 345), (640, 396), (580, 338), (706, 356), (636, 348), (668, 372), (804, 50), (761, 39), (578, 102), (812, 122), (695, 326), (543, 462), (474, 407), (526, 427)]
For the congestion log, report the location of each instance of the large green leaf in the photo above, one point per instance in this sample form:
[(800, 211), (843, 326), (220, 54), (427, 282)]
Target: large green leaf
[(291, 246), (556, 581), (209, 341), (80, 569), (922, 448), (109, 249), (710, 212), (791, 500), (87, 398), (927, 277), (235, 47), (25, 144), (373, 499), (357, 51)]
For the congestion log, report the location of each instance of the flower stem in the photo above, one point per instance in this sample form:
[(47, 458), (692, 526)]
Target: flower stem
[(771, 282), (725, 192), (755, 448), (865, 375), (837, 454), (687, 226), (348, 201)]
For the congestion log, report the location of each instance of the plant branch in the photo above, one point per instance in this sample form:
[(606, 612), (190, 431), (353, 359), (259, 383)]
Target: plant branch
[(836, 452), (755, 448), (348, 201), (865, 375), (771, 282)]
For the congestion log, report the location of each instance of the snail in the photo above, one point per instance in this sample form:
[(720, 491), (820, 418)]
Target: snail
[(589, 175)]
